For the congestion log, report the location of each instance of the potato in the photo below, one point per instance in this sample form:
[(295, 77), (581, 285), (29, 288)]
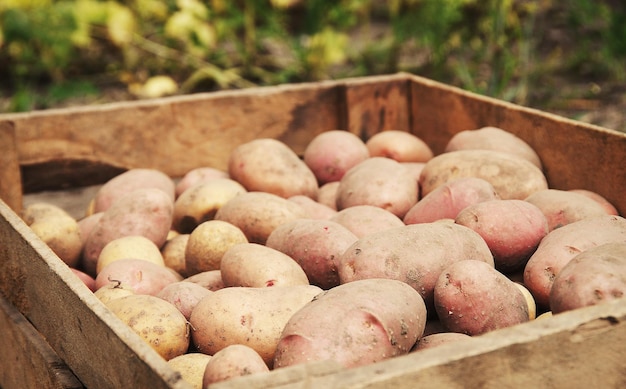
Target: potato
[(191, 367), (254, 317), (415, 254), (434, 340), (400, 146), (562, 207), (86, 224), (446, 201), (173, 252), (354, 324), (257, 214), (130, 180), (211, 280), (511, 176), (147, 212), (327, 194), (331, 154), (196, 176), (184, 295), (530, 300), (208, 243), (88, 280), (563, 244), (269, 165), (314, 209), (381, 182), (233, 361), (156, 321), (257, 266), (493, 138), (142, 276), (315, 245), (363, 220), (592, 277), (473, 298), (57, 229), (415, 168), (131, 246), (608, 207), (511, 228), (200, 202), (112, 291)]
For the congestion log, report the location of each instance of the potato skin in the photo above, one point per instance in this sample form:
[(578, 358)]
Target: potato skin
[(563, 244), (608, 206), (592, 277), (156, 321), (233, 361), (355, 324), (211, 280), (562, 207), (363, 220), (331, 154), (196, 176), (327, 194), (381, 182), (257, 214), (512, 177), (315, 245), (142, 276), (147, 212), (511, 228), (493, 138), (400, 146), (208, 243), (184, 295), (473, 298), (314, 209), (269, 165), (254, 317), (434, 340), (415, 254), (191, 367), (446, 201), (257, 266)]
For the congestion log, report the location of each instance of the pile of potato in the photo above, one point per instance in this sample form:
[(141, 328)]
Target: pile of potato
[(356, 251)]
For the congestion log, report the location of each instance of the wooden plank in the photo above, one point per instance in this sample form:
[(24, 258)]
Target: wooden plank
[(102, 351), (574, 154), (10, 178), (27, 360), (576, 349)]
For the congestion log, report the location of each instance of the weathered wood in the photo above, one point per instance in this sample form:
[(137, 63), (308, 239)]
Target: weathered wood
[(10, 178), (101, 350), (27, 360)]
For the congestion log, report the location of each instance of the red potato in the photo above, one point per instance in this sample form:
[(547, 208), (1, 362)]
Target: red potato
[(415, 254), (130, 180), (434, 340), (184, 295), (88, 280), (146, 212), (233, 361), (269, 165), (196, 176), (331, 154), (563, 244), (211, 280), (511, 228), (315, 245), (512, 177), (473, 298), (327, 194), (141, 276), (446, 201), (314, 209), (562, 207), (594, 276), (493, 138), (381, 182), (355, 324), (400, 146), (608, 207), (363, 220), (86, 224)]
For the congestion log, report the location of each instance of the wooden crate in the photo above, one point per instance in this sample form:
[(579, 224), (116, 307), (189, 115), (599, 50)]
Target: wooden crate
[(57, 153)]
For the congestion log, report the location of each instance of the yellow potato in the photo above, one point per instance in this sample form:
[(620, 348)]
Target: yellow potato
[(191, 367), (132, 246), (156, 321), (208, 243), (112, 291), (233, 361), (174, 253)]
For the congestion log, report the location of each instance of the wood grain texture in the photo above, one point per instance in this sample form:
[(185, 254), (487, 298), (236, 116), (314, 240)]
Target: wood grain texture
[(102, 351), (10, 177)]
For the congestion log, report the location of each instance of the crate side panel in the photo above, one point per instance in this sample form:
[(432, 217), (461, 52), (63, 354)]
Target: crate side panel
[(101, 350), (574, 155), (27, 360), (10, 176)]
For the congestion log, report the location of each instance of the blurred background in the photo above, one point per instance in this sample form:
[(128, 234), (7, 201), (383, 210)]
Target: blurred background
[(566, 57)]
